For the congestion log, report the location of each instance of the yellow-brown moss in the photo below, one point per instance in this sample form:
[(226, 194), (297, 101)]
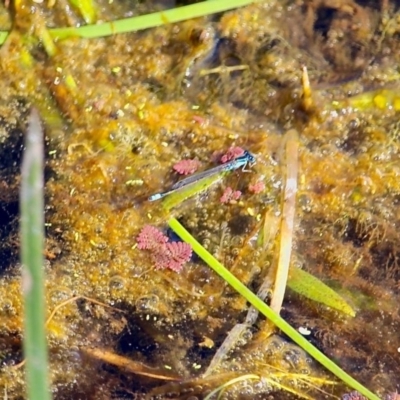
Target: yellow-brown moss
[(139, 102)]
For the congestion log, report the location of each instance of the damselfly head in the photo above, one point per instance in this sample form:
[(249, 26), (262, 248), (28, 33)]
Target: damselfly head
[(251, 159)]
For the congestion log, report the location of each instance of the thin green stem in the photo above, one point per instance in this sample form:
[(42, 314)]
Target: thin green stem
[(145, 21), (267, 311), (32, 238), (151, 20)]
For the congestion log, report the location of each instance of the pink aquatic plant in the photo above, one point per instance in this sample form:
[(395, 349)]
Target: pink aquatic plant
[(257, 187), (353, 396), (186, 167), (173, 256), (164, 254), (231, 154), (199, 119), (150, 238), (230, 195), (393, 396)]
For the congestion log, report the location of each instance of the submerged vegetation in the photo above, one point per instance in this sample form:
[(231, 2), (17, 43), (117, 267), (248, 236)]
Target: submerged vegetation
[(311, 89)]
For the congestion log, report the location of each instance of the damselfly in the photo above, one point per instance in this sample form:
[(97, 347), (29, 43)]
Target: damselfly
[(242, 161)]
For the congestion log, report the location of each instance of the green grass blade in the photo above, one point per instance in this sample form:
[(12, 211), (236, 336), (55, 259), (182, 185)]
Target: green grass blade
[(144, 21), (86, 8), (255, 301), (311, 287), (32, 241), (44, 36), (3, 36), (150, 20)]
